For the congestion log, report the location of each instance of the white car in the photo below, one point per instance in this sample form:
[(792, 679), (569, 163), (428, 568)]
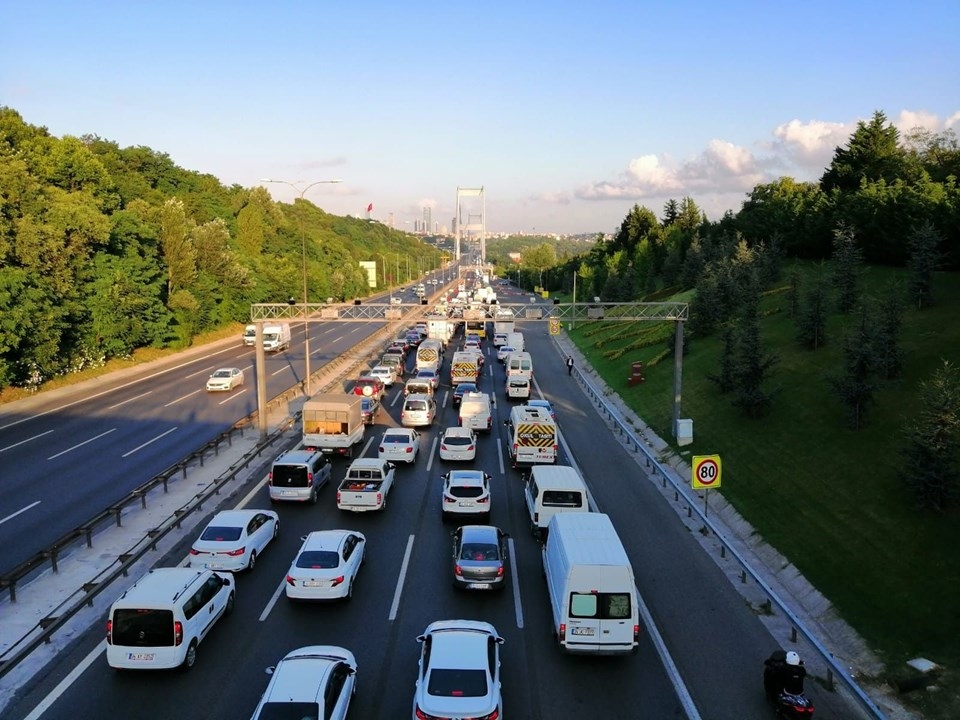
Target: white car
[(400, 445), (459, 673), (386, 374), (396, 301), (431, 375), (225, 379), (458, 443), (233, 539), (503, 352), (466, 493), (326, 565), (317, 681)]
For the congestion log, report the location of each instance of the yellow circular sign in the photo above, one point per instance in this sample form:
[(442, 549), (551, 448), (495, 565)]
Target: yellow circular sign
[(554, 326), (705, 472)]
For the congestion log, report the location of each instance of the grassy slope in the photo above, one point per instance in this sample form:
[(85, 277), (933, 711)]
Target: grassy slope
[(828, 497)]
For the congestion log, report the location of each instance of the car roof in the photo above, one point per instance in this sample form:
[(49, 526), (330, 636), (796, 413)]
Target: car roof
[(326, 539), (295, 456), (231, 518), (479, 533), (457, 431), (459, 644), (301, 675), (406, 432), (467, 477)]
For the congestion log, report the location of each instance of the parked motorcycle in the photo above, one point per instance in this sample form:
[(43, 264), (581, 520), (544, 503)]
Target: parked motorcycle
[(783, 675)]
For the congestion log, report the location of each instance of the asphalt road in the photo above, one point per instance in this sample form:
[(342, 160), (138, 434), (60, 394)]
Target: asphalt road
[(715, 642)]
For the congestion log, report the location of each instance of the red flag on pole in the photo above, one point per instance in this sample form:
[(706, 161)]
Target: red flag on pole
[(370, 207)]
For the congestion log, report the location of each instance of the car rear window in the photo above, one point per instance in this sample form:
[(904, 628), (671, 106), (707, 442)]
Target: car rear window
[(221, 534), (479, 551), (290, 476), (600, 606), (416, 405), (562, 498), (289, 711), (469, 491), (318, 559), (142, 628), (396, 438), (457, 683), (457, 440)]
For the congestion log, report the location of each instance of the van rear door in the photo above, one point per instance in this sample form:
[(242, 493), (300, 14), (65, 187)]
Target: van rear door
[(600, 611)]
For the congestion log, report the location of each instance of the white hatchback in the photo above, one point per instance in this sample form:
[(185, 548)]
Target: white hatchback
[(399, 445), (233, 539), (418, 410), (386, 374), (326, 566), (466, 493), (317, 681), (458, 443)]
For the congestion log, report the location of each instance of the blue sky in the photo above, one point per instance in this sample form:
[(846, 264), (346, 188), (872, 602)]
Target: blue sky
[(567, 114)]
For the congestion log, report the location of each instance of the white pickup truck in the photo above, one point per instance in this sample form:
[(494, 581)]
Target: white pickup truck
[(366, 485)]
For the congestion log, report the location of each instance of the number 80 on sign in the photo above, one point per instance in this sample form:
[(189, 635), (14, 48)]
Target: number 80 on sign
[(705, 472)]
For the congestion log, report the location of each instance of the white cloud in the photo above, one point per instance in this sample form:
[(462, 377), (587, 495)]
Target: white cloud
[(910, 119), (552, 198), (809, 145), (953, 120)]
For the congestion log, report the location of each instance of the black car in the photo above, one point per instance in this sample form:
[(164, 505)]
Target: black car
[(460, 390)]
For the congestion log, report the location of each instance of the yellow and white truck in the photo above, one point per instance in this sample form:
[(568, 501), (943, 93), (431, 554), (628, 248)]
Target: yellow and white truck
[(464, 368), (532, 436)]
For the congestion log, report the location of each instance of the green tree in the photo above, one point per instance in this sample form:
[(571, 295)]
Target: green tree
[(752, 364), (872, 154), (178, 250), (855, 386), (924, 259), (888, 355), (725, 379), (847, 269), (932, 446), (812, 318)]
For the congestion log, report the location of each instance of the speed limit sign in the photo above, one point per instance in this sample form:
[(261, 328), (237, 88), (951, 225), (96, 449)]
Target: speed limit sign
[(705, 472), (554, 326)]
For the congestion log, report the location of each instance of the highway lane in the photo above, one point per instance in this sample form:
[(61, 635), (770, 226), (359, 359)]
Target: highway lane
[(537, 681), (67, 458)]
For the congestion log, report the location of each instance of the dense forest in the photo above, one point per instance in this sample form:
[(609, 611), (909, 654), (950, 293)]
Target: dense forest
[(104, 250)]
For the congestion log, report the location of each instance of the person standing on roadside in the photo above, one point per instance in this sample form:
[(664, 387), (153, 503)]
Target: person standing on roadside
[(569, 364)]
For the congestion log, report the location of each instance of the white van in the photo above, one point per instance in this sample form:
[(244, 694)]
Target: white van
[(553, 489), (159, 622), (593, 594), (518, 387), (519, 363), (515, 340), (276, 337), (475, 411), (250, 335)]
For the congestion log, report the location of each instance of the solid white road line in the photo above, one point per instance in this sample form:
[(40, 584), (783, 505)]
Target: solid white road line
[(11, 447), (403, 574), (69, 680), (21, 510), (95, 437), (518, 609), (149, 442)]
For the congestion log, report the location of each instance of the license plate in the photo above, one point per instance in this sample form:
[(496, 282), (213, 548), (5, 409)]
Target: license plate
[(288, 493), (140, 657), (478, 586), (312, 583), (214, 566), (466, 504), (581, 631)]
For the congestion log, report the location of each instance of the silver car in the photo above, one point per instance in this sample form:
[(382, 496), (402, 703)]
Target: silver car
[(479, 557)]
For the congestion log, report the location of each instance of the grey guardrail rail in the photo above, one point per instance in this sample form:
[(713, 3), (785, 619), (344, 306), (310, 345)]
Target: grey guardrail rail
[(835, 669)]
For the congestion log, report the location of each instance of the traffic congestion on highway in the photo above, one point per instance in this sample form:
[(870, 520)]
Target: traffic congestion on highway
[(448, 600)]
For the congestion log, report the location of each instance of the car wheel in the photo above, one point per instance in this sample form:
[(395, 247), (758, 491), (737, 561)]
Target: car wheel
[(313, 496), (276, 529), (350, 591), (230, 602), (191, 657), (252, 561)]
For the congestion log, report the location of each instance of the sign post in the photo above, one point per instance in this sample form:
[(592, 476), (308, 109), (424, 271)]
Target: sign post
[(705, 474), (554, 326)]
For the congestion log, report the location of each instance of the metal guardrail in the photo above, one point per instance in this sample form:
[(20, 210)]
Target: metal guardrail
[(667, 476)]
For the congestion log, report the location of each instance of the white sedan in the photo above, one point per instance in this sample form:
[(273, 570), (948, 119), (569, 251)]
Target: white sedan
[(225, 379), (466, 493), (233, 539), (458, 443), (400, 445), (386, 374), (317, 681), (503, 352), (326, 566), (459, 674)]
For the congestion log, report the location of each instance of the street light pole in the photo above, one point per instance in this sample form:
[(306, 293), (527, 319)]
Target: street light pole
[(303, 251)]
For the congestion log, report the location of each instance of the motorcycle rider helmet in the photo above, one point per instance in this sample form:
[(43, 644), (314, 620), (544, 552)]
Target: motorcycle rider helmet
[(793, 658)]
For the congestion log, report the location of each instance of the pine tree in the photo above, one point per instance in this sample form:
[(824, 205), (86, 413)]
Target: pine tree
[(886, 340), (923, 261), (725, 379), (751, 365), (812, 317), (855, 386), (848, 267), (932, 451)]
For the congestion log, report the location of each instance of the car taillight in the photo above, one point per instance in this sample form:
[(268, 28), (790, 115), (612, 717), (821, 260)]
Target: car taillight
[(458, 571), (514, 449), (636, 633), (237, 553), (194, 551), (483, 499), (500, 571), (338, 497), (178, 633), (409, 449), (460, 422), (490, 716), (381, 448), (379, 498), (110, 632), (291, 580), (563, 630), (337, 580), (310, 477), (270, 478), (449, 499)]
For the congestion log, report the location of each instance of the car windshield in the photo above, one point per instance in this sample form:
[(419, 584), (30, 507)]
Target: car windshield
[(318, 559), (479, 551), (396, 438), (457, 683), (221, 534), (289, 711), (221, 374)]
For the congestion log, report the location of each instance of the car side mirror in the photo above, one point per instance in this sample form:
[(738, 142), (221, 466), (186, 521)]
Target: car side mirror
[(270, 670)]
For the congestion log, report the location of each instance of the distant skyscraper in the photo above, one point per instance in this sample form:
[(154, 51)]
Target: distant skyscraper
[(426, 220)]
